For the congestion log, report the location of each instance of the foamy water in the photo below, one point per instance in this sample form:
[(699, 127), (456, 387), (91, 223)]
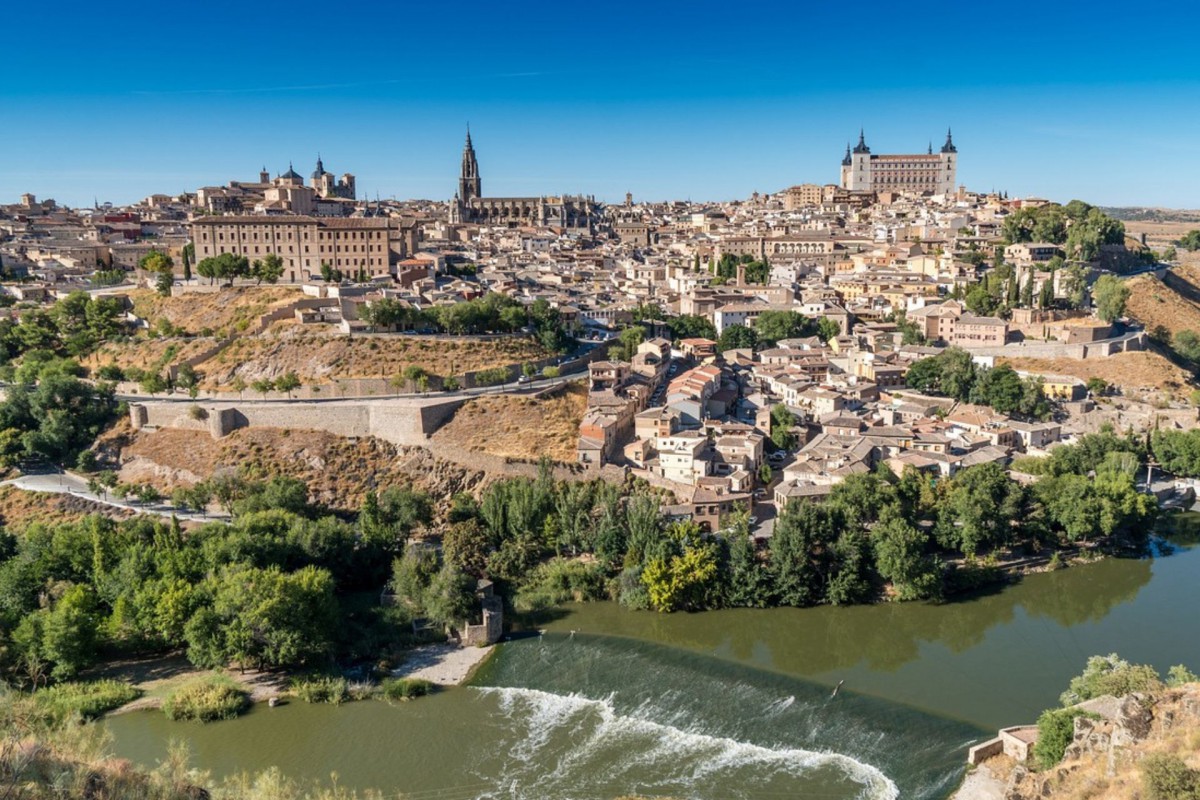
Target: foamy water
[(576, 746)]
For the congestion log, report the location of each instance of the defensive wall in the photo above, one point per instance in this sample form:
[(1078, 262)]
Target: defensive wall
[(399, 421)]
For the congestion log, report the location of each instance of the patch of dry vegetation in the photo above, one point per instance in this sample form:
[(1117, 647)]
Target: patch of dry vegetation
[(1131, 371), (519, 427), (1097, 774), (1172, 305), (146, 353), (230, 310), (339, 471), (20, 508), (318, 358)]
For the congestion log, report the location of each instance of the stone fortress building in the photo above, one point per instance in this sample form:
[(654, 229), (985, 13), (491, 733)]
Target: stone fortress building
[(921, 173), (470, 206)]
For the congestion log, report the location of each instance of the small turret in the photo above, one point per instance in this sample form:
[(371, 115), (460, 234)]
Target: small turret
[(949, 147), (861, 147), (847, 161)]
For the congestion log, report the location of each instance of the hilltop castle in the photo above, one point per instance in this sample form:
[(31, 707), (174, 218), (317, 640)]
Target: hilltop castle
[(921, 173)]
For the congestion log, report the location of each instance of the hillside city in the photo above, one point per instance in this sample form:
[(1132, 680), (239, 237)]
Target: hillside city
[(274, 425)]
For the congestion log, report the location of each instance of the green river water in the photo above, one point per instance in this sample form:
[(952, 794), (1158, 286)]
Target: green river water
[(730, 704)]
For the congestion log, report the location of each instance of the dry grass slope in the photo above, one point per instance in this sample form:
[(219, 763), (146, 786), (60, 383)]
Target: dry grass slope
[(1174, 305), (1131, 371), (339, 471), (318, 358), (519, 427), (229, 310)]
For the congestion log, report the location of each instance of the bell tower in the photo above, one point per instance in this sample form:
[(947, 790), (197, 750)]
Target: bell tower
[(469, 185)]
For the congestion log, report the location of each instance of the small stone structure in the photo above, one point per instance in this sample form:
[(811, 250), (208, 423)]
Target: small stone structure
[(1016, 742), (491, 628)]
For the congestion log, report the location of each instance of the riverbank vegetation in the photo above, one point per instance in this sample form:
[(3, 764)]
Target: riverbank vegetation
[(206, 699), (912, 537)]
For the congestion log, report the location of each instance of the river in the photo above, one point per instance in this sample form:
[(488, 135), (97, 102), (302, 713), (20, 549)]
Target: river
[(730, 704)]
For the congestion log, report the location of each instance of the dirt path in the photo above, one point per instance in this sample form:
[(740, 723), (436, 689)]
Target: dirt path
[(443, 664)]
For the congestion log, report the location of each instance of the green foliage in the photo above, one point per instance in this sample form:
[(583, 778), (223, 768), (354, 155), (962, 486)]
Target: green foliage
[(85, 699), (1110, 294), (737, 337), (226, 268), (332, 689), (829, 329), (269, 269), (1187, 344), (1056, 730), (561, 581), (1110, 675), (406, 688), (492, 377), (782, 422), (1179, 675), (954, 374), (691, 326), (1166, 777), (207, 699), (773, 326), (1190, 241)]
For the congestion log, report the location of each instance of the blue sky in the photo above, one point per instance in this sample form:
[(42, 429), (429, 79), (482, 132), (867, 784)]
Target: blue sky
[(698, 100)]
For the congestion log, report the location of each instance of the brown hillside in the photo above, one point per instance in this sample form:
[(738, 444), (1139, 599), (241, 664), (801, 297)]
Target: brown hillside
[(146, 353), (1131, 371), (1107, 759), (19, 508), (319, 358), (229, 310), (519, 427), (339, 471), (1174, 305)]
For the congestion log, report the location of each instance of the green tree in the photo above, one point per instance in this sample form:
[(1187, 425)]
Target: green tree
[(1190, 241), (782, 422), (69, 635), (288, 382), (269, 269), (1110, 295), (901, 556), (737, 337)]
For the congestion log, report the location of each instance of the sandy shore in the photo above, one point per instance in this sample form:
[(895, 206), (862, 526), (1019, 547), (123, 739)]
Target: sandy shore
[(443, 664)]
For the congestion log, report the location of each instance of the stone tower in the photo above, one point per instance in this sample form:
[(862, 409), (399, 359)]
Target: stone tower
[(469, 186)]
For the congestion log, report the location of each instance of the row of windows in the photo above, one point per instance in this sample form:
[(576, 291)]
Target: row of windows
[(272, 236)]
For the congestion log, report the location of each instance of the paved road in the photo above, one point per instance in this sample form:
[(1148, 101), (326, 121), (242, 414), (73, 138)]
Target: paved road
[(59, 483)]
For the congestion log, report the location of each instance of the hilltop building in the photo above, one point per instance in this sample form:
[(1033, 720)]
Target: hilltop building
[(920, 173), (470, 206)]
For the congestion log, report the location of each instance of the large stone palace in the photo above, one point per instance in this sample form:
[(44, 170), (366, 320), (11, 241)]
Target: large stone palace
[(470, 206), (920, 173)]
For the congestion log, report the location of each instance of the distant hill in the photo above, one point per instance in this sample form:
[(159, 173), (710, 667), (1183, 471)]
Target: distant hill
[(1140, 214)]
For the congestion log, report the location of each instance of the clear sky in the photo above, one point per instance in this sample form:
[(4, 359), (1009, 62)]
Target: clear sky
[(700, 100)]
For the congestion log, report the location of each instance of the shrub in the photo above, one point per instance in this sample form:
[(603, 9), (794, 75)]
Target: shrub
[(406, 688), (206, 699), (1110, 675), (87, 699), (197, 413), (561, 581), (1056, 729), (551, 372), (491, 377), (1178, 675), (1166, 777), (321, 689)]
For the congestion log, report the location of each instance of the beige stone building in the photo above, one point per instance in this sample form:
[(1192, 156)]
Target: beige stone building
[(920, 173), (369, 245)]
